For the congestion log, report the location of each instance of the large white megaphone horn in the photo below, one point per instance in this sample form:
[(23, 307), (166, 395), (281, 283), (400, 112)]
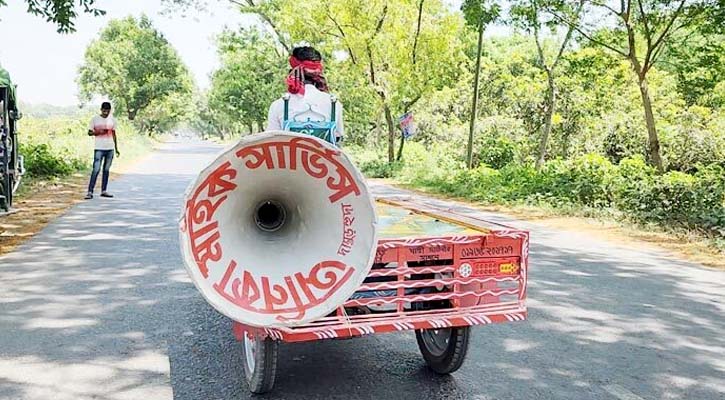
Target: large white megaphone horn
[(279, 230)]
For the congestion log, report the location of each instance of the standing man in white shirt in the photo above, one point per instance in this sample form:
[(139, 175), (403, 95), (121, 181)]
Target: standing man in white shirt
[(103, 127), (308, 93)]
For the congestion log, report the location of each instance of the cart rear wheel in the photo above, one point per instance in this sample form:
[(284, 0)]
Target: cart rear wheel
[(10, 196), (6, 188), (444, 350), (260, 363)]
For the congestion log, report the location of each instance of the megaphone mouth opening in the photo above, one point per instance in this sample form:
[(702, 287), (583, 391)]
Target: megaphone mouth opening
[(270, 215)]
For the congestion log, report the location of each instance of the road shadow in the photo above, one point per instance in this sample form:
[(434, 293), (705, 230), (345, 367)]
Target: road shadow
[(89, 306), (99, 304), (594, 322), (603, 318)]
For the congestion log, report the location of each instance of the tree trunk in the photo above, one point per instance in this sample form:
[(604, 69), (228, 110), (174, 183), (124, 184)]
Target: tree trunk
[(550, 104), (654, 141), (391, 133), (417, 30), (641, 71), (400, 148), (474, 107), (379, 135)]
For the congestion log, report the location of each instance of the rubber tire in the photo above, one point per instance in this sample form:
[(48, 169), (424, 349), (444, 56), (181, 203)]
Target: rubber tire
[(10, 195), (6, 186), (452, 359), (261, 380)]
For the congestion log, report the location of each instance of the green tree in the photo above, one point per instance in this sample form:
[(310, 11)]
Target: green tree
[(251, 76), (643, 31), (136, 67), (62, 13), (205, 120), (400, 58), (478, 13), (165, 114), (698, 60), (532, 17), (511, 94)]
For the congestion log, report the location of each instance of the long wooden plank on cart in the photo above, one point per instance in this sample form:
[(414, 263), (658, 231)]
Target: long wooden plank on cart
[(452, 219), (396, 222)]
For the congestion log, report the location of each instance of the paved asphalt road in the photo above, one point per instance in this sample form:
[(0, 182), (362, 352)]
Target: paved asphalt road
[(98, 306)]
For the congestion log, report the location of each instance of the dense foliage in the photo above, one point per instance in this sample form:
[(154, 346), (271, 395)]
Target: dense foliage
[(240, 93), (62, 13), (630, 189), (623, 113), (614, 106), (58, 146), (135, 66)]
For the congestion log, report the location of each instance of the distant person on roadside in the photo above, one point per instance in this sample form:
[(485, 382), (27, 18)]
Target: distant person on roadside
[(103, 127)]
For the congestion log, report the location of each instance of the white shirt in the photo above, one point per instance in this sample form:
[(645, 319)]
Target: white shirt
[(315, 105), (104, 141)]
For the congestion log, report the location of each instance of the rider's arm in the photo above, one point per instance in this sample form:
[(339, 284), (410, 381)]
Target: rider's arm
[(274, 117), (340, 131)]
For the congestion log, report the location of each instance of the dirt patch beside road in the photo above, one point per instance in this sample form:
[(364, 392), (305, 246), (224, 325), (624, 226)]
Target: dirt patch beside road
[(38, 204), (41, 201)]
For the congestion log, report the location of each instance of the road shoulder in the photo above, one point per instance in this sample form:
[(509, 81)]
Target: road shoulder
[(680, 247), (44, 200)]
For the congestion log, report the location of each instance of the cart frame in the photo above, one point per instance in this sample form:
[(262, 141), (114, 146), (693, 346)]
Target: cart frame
[(436, 286)]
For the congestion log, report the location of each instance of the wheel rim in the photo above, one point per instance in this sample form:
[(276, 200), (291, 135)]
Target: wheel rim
[(436, 340), (250, 349)]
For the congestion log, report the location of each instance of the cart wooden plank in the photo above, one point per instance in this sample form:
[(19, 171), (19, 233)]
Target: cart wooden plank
[(405, 217)]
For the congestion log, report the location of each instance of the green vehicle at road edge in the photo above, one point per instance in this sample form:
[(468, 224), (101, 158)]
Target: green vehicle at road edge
[(11, 163)]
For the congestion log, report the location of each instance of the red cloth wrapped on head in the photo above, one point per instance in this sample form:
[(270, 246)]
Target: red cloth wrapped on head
[(312, 70)]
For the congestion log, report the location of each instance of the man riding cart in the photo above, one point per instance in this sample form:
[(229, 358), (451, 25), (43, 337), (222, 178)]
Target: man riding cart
[(282, 235)]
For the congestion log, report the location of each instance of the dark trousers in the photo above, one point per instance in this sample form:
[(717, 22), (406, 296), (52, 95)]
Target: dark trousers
[(107, 157)]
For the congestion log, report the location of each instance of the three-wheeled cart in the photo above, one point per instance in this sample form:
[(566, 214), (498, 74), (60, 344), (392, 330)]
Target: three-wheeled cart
[(436, 272), (11, 163)]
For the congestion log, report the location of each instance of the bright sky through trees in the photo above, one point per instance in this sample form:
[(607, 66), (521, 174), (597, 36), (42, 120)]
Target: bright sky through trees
[(45, 63)]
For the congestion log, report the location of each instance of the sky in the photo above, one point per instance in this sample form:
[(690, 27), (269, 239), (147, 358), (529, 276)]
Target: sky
[(44, 63)]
